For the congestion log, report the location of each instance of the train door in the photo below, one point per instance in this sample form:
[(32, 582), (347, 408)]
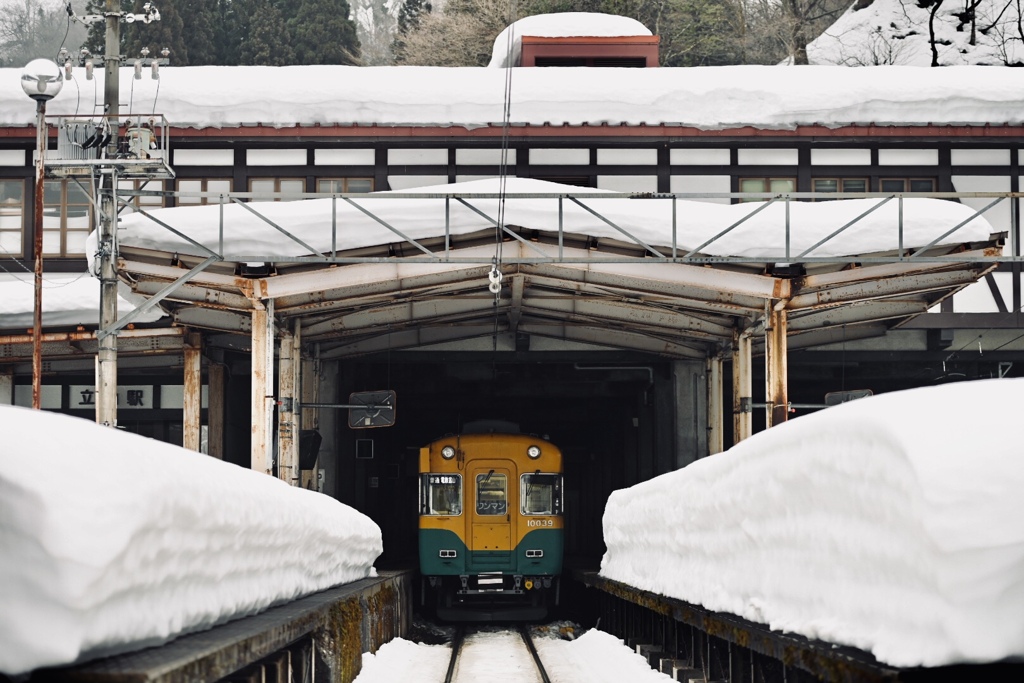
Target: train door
[(491, 518)]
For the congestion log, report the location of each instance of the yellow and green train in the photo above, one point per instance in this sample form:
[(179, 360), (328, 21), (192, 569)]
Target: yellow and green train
[(490, 525)]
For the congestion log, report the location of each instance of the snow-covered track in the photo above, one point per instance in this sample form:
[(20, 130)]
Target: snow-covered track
[(469, 659)]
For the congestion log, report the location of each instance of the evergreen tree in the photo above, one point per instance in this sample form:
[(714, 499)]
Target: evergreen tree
[(267, 41), (199, 26), (409, 18), (322, 33)]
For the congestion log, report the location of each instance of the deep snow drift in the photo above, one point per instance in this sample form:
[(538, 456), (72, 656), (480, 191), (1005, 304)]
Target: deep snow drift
[(110, 542), (708, 98), (68, 299), (891, 523), (649, 220)]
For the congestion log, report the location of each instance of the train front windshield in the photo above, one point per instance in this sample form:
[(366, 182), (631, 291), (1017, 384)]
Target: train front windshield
[(441, 494), (542, 494)]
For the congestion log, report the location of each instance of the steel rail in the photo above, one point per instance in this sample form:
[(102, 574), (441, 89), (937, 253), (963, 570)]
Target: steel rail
[(524, 631), (457, 640)]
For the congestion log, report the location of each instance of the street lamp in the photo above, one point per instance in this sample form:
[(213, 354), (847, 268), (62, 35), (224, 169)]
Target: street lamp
[(41, 80)]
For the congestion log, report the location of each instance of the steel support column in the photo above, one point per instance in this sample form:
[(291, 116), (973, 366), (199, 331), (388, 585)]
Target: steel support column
[(6, 387), (216, 405), (309, 389), (37, 241), (287, 414), (262, 409), (716, 438), (742, 388), (776, 380), (193, 399)]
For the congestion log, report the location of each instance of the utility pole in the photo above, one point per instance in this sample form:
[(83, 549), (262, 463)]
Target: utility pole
[(106, 358), (106, 335)]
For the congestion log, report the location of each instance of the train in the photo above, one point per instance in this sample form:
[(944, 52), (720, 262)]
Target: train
[(491, 525)]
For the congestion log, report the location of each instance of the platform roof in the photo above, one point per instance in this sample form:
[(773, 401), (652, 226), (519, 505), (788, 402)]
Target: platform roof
[(600, 269)]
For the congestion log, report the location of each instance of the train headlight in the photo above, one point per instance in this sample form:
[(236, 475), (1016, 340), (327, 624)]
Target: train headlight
[(447, 452), (533, 452)]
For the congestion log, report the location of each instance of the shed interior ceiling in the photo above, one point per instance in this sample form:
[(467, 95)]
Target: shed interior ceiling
[(594, 292)]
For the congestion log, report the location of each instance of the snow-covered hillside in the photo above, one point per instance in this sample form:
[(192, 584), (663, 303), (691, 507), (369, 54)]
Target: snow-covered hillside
[(881, 32)]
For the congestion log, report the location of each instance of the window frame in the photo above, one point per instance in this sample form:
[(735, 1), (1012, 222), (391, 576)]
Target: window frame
[(20, 229), (345, 184), (204, 186), (476, 495), (277, 187), (556, 494), (425, 488), (907, 182), (62, 206), (766, 182)]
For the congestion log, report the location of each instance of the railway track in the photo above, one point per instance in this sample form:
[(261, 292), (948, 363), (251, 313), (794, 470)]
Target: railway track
[(462, 666)]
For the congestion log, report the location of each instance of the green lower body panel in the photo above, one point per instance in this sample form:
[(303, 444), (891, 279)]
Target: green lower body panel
[(443, 553)]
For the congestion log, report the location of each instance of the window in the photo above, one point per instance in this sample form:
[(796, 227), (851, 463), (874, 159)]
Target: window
[(344, 185), (12, 216), (541, 494), (202, 185), (491, 494), (67, 218), (441, 494), (774, 185), (286, 186), (906, 185), (137, 201), (826, 185)]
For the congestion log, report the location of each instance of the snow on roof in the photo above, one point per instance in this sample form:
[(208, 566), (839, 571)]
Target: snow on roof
[(890, 523), (68, 299), (710, 98), (895, 32), (113, 542), (561, 25), (649, 220)]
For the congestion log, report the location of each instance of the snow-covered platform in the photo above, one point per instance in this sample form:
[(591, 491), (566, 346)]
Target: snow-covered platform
[(319, 637), (674, 633)]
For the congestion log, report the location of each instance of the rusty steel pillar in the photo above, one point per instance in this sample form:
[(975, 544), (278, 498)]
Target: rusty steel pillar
[(288, 406), (216, 404), (776, 380), (262, 409), (716, 421), (742, 387), (193, 398), (6, 386), (309, 387)]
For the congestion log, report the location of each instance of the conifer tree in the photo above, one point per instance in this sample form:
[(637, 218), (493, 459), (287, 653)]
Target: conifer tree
[(322, 33), (268, 41), (199, 25)]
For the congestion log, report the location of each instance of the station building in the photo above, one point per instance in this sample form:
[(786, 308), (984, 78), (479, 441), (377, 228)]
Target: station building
[(626, 365)]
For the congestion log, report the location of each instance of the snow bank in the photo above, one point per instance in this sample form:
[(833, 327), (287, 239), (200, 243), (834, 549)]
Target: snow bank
[(595, 657), (111, 542), (708, 98), (891, 523), (649, 220), (561, 25), (68, 299)]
